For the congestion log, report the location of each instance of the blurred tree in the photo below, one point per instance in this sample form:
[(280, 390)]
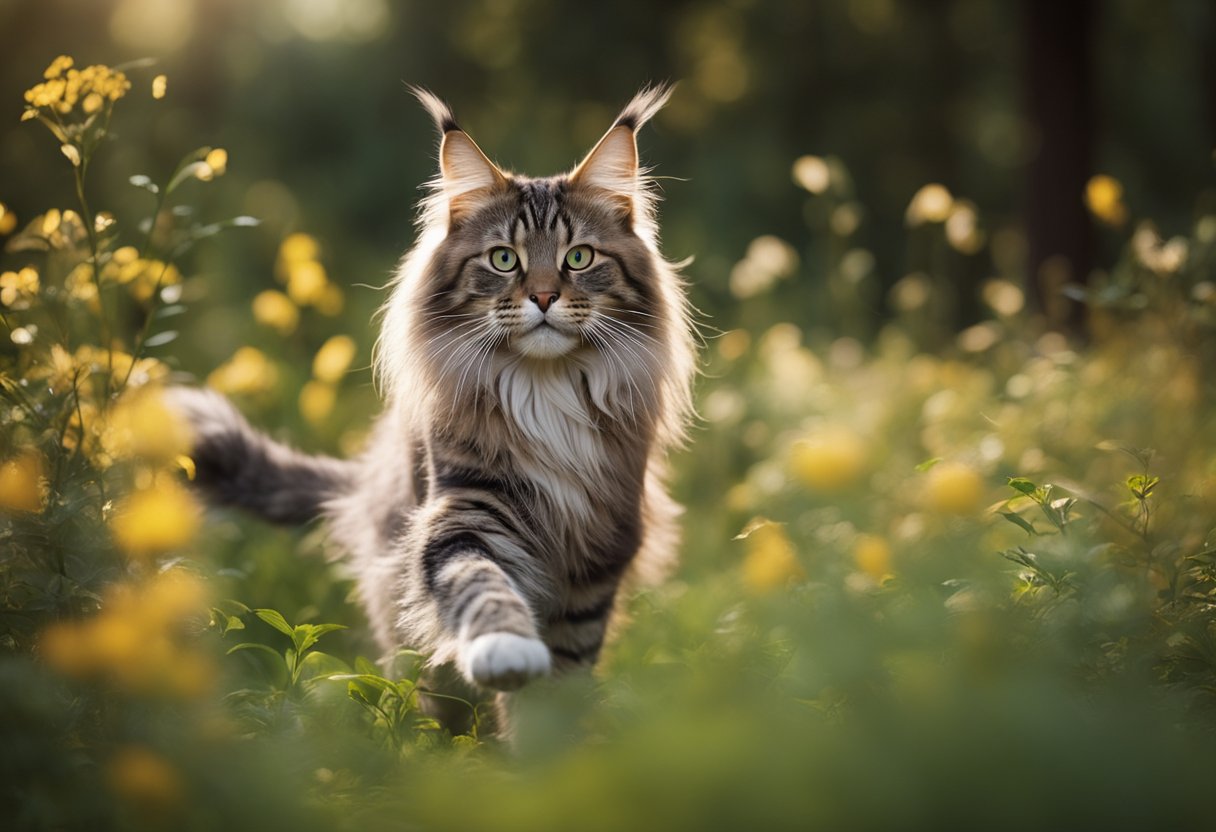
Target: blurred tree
[(1057, 40)]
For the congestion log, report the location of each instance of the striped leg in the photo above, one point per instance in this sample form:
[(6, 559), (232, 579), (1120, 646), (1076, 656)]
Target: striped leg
[(498, 646)]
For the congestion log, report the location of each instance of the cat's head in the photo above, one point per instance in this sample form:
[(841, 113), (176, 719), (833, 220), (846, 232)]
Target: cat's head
[(563, 269)]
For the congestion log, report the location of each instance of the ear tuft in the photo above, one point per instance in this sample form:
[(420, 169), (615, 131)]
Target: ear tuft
[(644, 105), (466, 176), (612, 165), (436, 107)]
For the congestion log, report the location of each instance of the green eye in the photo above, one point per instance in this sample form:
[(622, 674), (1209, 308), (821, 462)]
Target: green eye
[(579, 257), (504, 259)]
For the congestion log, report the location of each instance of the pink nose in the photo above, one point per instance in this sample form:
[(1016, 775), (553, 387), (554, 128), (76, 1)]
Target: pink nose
[(544, 299)]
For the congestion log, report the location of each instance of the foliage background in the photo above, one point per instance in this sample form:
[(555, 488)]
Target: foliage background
[(1073, 687)]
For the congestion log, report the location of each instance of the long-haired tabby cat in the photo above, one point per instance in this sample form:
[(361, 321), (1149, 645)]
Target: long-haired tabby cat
[(536, 355)]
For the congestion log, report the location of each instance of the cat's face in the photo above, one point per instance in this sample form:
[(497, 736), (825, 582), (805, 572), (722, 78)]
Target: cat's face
[(543, 268)]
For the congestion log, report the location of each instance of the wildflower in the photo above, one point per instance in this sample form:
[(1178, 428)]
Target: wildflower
[(932, 203), (50, 222), (953, 488), (144, 779), (306, 282), (155, 520), (141, 425), (22, 483), (214, 164), (317, 400), (274, 309), (217, 160), (70, 151), (248, 371), (333, 358), (872, 554), (58, 66), (812, 173), (8, 220), (831, 460), (18, 288), (297, 248), (770, 561), (1104, 198), (159, 83)]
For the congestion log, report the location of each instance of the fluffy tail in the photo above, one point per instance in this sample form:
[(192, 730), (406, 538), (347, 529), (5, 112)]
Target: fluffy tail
[(236, 465)]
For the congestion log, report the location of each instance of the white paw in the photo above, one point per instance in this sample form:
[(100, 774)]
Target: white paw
[(504, 661)]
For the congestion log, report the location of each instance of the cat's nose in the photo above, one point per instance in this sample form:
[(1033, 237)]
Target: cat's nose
[(544, 299)]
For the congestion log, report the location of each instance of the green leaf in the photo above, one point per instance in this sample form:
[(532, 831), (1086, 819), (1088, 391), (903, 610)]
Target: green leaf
[(371, 680), (249, 645), (928, 463), (275, 619), (1019, 521), (306, 635), (161, 338), (1023, 485), (317, 665)]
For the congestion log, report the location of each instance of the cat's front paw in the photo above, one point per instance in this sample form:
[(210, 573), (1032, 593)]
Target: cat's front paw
[(504, 661)]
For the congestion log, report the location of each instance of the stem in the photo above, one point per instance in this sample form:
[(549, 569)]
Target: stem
[(94, 257)]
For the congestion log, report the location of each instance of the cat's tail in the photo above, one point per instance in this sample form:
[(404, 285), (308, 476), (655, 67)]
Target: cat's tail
[(236, 465)]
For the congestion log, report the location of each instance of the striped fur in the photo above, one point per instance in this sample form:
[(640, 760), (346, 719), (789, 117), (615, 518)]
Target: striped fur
[(515, 481)]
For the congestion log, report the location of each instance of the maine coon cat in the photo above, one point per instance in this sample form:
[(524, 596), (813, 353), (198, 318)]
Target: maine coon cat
[(536, 357)]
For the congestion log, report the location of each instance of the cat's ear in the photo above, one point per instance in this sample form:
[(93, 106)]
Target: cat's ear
[(612, 165), (467, 178)]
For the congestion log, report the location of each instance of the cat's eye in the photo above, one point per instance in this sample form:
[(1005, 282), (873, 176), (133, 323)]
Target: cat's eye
[(579, 257), (504, 259)]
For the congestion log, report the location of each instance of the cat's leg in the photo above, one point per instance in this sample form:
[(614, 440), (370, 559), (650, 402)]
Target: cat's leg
[(498, 645)]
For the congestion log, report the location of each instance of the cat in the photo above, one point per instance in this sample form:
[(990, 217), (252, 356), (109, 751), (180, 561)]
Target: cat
[(536, 357)]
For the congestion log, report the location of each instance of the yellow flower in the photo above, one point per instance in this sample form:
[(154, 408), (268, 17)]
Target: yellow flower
[(770, 561), (8, 220), (58, 66), (141, 425), (932, 203), (1104, 198), (73, 155), (18, 288), (80, 286), (248, 371), (296, 249), (317, 401), (22, 486), (333, 358), (145, 779), (156, 520), (306, 282), (217, 160), (50, 222), (159, 83), (872, 554), (274, 309), (953, 488), (830, 460)]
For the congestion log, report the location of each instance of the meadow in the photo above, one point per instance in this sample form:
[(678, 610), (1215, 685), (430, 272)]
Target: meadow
[(930, 578)]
